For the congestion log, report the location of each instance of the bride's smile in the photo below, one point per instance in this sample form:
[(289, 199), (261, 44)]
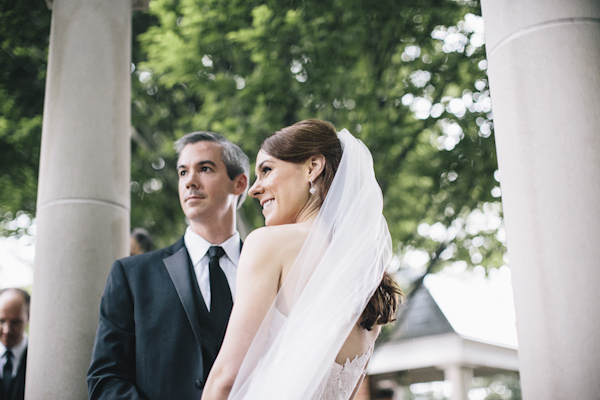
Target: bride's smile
[(267, 203)]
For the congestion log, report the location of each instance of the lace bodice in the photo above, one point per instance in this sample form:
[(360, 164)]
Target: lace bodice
[(343, 378)]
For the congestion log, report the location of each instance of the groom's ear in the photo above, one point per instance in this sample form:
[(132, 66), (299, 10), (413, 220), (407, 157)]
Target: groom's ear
[(240, 184), (316, 165)]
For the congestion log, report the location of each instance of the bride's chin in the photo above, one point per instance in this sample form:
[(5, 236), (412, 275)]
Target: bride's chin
[(270, 221), (268, 212), (267, 220)]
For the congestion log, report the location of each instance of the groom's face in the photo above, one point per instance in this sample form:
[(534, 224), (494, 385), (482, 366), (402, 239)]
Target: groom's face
[(205, 191)]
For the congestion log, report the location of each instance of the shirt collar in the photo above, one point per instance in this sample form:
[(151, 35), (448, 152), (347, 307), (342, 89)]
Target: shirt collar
[(17, 350), (197, 246)]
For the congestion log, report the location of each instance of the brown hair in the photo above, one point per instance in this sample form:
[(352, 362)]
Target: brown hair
[(383, 305), (311, 137)]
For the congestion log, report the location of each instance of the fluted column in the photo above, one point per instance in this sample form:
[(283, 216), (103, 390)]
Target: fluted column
[(544, 71), (83, 193)]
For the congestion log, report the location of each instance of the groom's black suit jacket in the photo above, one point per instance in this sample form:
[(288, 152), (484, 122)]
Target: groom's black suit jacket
[(17, 386), (156, 338)]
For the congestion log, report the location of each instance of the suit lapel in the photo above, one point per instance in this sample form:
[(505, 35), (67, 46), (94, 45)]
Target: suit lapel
[(177, 266), (182, 274)]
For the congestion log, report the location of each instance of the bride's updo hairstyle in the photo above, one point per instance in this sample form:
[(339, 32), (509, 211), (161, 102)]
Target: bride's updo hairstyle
[(383, 305), (311, 137)]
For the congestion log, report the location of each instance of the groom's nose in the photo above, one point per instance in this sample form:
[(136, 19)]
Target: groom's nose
[(192, 180)]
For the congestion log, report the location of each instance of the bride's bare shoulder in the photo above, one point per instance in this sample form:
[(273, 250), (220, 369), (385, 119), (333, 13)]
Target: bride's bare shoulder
[(277, 236), (276, 241)]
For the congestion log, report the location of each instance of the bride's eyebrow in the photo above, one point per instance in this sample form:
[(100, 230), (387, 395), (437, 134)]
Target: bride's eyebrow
[(259, 166)]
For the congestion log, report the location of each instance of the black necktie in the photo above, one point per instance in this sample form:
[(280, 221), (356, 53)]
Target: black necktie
[(220, 294), (7, 372)]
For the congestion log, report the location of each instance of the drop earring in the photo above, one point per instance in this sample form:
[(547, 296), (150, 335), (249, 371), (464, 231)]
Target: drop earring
[(312, 189)]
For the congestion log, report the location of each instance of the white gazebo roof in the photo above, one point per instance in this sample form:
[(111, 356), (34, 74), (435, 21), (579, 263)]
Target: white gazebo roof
[(464, 320)]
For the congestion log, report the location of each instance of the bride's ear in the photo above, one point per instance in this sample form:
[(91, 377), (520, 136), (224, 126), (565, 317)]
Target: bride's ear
[(316, 165)]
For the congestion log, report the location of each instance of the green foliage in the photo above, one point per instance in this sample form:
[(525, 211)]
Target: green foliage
[(24, 30), (248, 68), (408, 78)]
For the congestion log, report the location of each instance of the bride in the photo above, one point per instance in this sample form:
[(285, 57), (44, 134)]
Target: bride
[(312, 289)]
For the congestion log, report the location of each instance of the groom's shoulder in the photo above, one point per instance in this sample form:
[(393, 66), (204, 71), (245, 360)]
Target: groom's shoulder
[(151, 257)]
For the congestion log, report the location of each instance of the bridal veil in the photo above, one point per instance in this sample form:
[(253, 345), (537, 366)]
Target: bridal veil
[(333, 278)]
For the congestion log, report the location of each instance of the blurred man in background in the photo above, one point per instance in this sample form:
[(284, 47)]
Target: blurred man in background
[(14, 316)]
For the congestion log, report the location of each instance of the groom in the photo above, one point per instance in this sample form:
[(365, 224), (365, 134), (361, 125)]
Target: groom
[(164, 313)]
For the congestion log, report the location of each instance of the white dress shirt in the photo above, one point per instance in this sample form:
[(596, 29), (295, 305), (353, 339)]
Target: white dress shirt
[(17, 354), (197, 248)]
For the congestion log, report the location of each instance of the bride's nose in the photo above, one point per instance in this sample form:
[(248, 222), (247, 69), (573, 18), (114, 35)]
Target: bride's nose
[(255, 189)]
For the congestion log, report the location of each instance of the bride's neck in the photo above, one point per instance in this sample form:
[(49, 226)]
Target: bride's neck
[(309, 212)]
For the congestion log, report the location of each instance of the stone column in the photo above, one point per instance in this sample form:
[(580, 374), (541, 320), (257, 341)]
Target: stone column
[(544, 71), (461, 378), (83, 193)]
